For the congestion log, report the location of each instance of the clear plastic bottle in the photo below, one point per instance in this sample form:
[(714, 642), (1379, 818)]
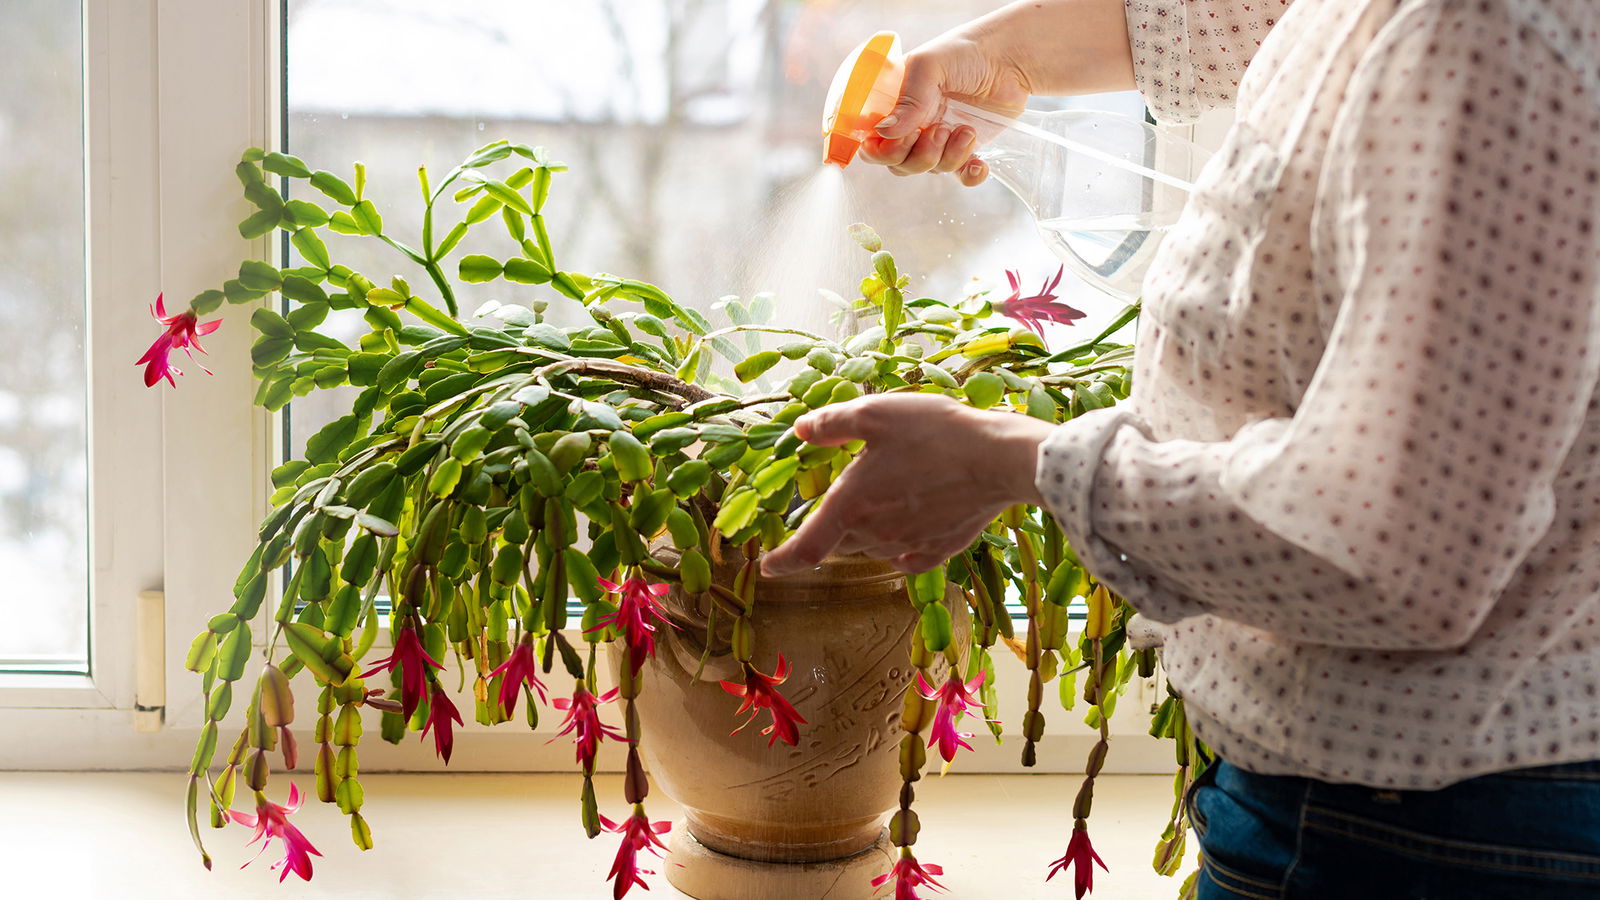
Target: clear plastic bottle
[(1103, 187)]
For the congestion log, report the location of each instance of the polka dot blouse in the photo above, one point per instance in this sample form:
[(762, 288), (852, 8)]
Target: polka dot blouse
[(1357, 485)]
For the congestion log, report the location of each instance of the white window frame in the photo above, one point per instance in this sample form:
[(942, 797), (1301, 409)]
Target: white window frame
[(173, 92)]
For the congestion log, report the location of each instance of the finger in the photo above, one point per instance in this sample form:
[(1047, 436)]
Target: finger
[(856, 542), (840, 423), (973, 173), (891, 550), (828, 526), (832, 525), (919, 561), (885, 152), (807, 547), (958, 151), (936, 551), (878, 520), (926, 153), (920, 98)]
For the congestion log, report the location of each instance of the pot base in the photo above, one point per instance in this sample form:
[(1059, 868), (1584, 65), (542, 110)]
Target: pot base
[(705, 874)]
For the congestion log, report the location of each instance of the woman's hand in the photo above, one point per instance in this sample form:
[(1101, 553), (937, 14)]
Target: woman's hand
[(956, 65), (996, 62), (933, 474)]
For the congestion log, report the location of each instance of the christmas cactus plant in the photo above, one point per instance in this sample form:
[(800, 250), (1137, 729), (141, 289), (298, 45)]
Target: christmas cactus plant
[(497, 485)]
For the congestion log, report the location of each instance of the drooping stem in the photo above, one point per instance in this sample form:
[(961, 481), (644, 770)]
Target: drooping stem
[(1033, 719), (916, 714), (744, 590), (1097, 754), (635, 784), (1170, 722), (1097, 625)]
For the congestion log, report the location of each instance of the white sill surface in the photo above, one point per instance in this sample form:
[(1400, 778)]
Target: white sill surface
[(121, 836)]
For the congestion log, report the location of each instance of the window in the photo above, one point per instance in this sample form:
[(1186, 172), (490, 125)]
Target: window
[(133, 503), (690, 125), (44, 466)]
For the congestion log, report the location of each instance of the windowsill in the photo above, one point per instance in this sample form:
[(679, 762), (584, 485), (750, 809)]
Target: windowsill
[(102, 834)]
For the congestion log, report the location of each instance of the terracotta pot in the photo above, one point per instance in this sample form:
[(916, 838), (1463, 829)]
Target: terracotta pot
[(845, 628)]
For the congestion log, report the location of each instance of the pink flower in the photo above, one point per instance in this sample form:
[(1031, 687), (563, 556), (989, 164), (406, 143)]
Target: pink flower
[(1080, 853), (638, 833), (520, 667), (1041, 307), (583, 723), (271, 821), (761, 692), (440, 713), (908, 875), (183, 332), (412, 659), (637, 608), (955, 698)]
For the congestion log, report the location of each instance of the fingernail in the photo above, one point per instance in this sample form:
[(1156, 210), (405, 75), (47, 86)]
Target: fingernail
[(886, 122)]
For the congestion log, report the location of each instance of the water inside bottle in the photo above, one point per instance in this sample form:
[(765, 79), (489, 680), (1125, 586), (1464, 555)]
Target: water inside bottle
[(1117, 247), (1103, 187)]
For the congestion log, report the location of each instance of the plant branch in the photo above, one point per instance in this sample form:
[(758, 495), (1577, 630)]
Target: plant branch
[(443, 284), (656, 381), (767, 329)]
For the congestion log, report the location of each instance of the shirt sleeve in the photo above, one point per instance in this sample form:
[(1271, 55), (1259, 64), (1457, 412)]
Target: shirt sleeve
[(1188, 55), (1456, 234)]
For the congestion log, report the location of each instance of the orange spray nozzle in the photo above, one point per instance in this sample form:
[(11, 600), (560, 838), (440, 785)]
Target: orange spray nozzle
[(864, 90)]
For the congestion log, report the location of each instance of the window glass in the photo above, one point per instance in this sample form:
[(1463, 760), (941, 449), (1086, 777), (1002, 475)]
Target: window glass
[(43, 400), (693, 129)]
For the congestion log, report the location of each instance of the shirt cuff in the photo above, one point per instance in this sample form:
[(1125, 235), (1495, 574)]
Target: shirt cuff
[(1068, 462), (1071, 461), (1158, 37)]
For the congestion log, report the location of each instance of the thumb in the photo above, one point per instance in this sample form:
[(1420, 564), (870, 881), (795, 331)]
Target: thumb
[(921, 97), (832, 426)]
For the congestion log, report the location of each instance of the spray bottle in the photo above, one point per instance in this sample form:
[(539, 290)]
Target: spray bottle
[(1103, 187)]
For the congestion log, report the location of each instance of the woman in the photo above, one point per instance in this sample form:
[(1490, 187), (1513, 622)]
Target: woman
[(1358, 481)]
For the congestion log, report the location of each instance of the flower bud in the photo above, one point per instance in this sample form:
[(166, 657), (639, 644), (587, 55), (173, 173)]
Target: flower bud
[(290, 749), (635, 786)]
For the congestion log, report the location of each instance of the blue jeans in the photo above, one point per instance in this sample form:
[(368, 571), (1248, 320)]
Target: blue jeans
[(1532, 833)]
